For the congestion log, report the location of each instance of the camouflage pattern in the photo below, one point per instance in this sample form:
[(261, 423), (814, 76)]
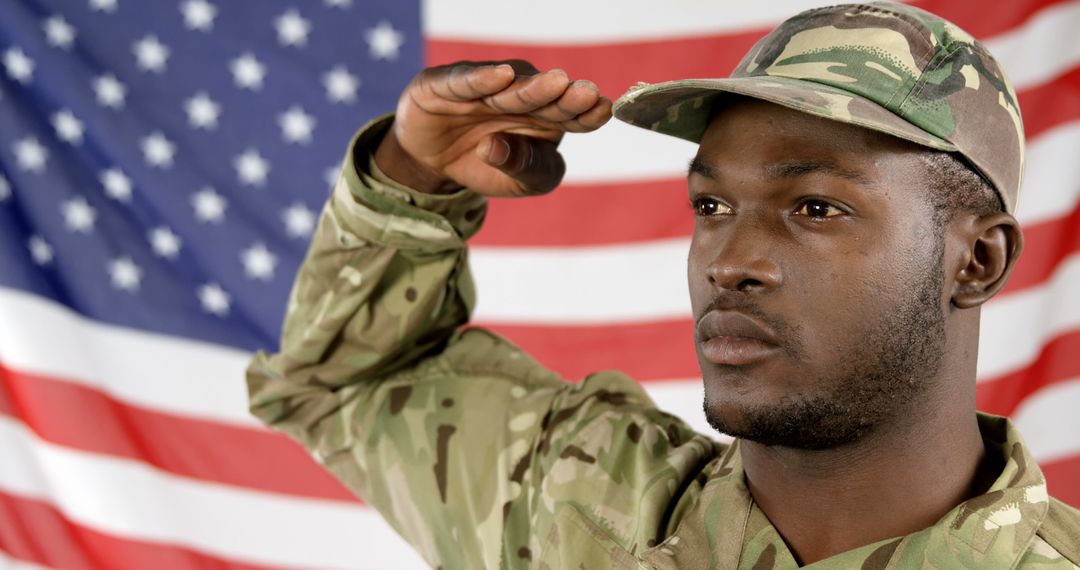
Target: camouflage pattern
[(482, 458), (882, 65)]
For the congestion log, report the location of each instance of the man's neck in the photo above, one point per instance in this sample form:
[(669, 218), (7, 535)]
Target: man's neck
[(889, 484)]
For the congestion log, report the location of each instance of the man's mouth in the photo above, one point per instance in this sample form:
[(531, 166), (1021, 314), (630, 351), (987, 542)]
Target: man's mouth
[(734, 339)]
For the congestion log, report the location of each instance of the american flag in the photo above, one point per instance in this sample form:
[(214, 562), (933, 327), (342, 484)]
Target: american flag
[(161, 167)]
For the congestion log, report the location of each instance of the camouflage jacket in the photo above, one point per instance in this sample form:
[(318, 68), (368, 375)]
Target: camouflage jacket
[(482, 458)]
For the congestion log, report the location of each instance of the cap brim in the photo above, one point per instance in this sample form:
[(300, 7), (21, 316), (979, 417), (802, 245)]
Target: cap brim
[(682, 108)]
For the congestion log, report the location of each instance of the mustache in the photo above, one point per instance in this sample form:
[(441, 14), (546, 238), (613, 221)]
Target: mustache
[(787, 335)]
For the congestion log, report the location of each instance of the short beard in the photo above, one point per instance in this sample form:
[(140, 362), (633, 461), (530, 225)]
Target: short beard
[(887, 375)]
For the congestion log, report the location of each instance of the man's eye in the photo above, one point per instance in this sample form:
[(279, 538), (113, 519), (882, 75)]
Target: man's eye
[(706, 206), (818, 209)]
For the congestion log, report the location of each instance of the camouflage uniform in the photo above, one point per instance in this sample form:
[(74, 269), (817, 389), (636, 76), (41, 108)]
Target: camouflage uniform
[(482, 458)]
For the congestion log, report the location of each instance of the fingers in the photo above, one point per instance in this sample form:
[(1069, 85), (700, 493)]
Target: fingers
[(591, 119), (534, 164), (579, 96), (465, 82)]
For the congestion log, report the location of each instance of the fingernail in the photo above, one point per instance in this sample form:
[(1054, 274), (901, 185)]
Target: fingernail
[(494, 150), (587, 84), (558, 71)]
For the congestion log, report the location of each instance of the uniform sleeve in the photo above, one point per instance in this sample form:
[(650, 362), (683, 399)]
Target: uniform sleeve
[(464, 444)]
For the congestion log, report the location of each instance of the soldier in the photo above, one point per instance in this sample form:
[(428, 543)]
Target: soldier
[(853, 195)]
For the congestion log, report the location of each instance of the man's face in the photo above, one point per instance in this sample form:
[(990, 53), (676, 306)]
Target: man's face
[(815, 277)]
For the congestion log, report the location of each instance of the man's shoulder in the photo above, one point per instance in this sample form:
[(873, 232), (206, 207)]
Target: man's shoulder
[(1061, 530)]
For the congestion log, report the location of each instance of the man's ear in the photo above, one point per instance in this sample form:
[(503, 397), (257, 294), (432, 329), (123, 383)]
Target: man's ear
[(992, 246)]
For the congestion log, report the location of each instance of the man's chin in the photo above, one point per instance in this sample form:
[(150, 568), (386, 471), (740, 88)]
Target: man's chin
[(798, 425)]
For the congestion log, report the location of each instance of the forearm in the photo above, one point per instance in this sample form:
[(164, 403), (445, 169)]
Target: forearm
[(385, 283)]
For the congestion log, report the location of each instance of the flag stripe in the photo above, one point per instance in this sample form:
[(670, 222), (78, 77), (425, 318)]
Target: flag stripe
[(592, 22), (1061, 478), (37, 533), (1055, 363), (225, 522), (54, 341), (57, 412), (1038, 49)]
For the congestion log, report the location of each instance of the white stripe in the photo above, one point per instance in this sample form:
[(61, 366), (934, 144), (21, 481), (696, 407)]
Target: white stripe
[(1042, 48), (134, 501), (609, 284), (598, 21), (1052, 179), (1015, 327), (1049, 423), (204, 380)]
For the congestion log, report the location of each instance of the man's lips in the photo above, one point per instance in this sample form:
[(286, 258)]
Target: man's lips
[(733, 338)]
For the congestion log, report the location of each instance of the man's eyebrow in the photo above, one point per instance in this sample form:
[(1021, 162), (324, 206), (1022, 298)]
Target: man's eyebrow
[(698, 166), (787, 170), (802, 168)]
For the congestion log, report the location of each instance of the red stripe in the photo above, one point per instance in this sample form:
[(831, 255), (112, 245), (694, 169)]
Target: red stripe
[(660, 350), (686, 57), (37, 532), (1045, 246), (57, 411), (1051, 104), (1062, 477), (1059, 360), (590, 215)]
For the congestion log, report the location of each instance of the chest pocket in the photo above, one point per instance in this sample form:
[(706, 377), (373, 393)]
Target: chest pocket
[(576, 542)]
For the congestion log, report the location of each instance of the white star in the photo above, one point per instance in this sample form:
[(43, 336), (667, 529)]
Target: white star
[(19, 66), (209, 206), (330, 175), (40, 250), (248, 72), (164, 242), (251, 168), (103, 5), (151, 54), (58, 32), (78, 215), (125, 274), (296, 125), (68, 127), (340, 85), (158, 150), (292, 28), (339, 3), (214, 299), (384, 41), (117, 184), (30, 155), (110, 92), (202, 111), (198, 15), (299, 220), (259, 262), (5, 189)]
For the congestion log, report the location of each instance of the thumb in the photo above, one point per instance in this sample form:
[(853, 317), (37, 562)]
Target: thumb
[(533, 163)]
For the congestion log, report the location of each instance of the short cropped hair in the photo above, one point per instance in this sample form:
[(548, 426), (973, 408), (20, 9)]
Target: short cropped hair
[(956, 187)]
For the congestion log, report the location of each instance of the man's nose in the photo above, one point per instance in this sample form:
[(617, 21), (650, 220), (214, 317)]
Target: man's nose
[(745, 260)]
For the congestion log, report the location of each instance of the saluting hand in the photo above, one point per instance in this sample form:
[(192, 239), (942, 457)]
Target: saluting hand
[(491, 127)]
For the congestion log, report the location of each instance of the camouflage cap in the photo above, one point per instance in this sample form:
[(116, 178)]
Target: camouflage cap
[(881, 65)]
